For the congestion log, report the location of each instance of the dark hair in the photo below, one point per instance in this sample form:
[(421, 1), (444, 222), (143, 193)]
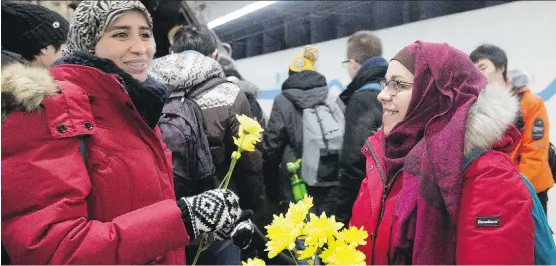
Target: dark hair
[(30, 55), (493, 53), (363, 45), (194, 37)]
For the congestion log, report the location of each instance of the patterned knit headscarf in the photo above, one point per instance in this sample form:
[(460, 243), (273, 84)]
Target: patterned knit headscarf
[(90, 20)]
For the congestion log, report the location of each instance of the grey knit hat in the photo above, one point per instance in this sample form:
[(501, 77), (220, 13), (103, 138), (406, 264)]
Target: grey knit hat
[(518, 78), (90, 20)]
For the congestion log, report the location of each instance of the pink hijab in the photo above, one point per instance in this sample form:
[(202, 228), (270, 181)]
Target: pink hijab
[(428, 145)]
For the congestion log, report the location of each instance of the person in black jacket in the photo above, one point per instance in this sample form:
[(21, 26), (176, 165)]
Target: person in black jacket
[(363, 115)]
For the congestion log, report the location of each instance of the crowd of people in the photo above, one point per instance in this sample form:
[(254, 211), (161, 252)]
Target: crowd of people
[(110, 156)]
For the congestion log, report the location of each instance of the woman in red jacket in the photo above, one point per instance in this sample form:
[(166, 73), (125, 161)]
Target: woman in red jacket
[(107, 198), (417, 202)]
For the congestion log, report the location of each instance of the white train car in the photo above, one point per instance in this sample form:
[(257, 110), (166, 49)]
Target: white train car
[(524, 29)]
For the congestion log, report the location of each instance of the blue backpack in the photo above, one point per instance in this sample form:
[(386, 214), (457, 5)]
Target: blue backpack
[(545, 249)]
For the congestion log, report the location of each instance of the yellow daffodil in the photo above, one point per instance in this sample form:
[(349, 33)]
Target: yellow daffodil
[(338, 253), (247, 142), (282, 234), (308, 252), (249, 133), (254, 262), (353, 236), (248, 126), (320, 230), (298, 211)]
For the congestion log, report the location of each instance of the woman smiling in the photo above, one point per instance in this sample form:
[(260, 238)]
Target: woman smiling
[(86, 179), (420, 203)]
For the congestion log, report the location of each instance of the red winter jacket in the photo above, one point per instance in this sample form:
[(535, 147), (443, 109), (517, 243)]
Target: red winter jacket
[(119, 209), (492, 187)]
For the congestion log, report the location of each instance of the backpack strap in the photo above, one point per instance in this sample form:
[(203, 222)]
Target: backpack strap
[(374, 86), (83, 139), (206, 85), (319, 121)]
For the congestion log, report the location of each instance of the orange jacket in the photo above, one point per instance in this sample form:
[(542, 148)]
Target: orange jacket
[(531, 154)]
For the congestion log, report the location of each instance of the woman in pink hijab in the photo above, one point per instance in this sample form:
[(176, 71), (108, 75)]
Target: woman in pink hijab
[(419, 202)]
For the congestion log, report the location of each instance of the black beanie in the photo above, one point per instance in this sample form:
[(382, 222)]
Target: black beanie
[(28, 28)]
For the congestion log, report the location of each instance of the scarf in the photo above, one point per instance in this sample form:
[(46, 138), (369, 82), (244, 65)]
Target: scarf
[(445, 86), (148, 97)]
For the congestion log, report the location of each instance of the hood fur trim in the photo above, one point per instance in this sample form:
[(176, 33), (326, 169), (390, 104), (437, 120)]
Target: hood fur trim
[(496, 108), (25, 87)]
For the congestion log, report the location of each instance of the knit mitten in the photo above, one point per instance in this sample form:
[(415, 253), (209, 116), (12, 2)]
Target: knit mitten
[(210, 211), (243, 231)]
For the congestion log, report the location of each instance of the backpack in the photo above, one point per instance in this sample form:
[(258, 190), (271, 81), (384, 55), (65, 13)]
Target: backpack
[(323, 134), (545, 249), (552, 160), (184, 133)]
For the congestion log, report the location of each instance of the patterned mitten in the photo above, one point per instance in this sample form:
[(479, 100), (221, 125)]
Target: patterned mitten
[(243, 231), (209, 212)]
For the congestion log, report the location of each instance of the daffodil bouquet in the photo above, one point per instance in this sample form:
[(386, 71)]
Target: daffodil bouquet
[(322, 237), (249, 134)]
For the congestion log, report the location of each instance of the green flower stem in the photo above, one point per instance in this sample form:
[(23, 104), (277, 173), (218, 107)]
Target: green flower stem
[(293, 257), (204, 245), (225, 182)]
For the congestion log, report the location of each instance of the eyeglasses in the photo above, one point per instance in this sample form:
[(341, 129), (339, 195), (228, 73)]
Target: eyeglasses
[(344, 63), (394, 86)]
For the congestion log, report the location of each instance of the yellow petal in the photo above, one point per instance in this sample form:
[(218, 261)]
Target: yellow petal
[(254, 262), (250, 126), (353, 236), (308, 252), (281, 234)]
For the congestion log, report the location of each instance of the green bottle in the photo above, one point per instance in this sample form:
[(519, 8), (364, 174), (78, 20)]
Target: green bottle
[(298, 185)]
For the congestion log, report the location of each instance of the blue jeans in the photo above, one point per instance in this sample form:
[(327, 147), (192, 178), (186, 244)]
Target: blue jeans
[(219, 253)]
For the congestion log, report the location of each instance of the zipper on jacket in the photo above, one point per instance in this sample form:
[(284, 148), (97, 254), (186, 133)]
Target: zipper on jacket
[(387, 189)]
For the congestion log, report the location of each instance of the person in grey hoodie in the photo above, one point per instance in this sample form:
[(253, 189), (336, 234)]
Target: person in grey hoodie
[(283, 137)]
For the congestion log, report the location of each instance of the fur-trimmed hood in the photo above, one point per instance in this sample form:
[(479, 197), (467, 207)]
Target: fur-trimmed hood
[(490, 116), (24, 88)]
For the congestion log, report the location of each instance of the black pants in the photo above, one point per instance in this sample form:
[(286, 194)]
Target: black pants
[(543, 197)]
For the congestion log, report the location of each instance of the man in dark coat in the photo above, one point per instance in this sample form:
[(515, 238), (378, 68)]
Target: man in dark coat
[(363, 115)]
